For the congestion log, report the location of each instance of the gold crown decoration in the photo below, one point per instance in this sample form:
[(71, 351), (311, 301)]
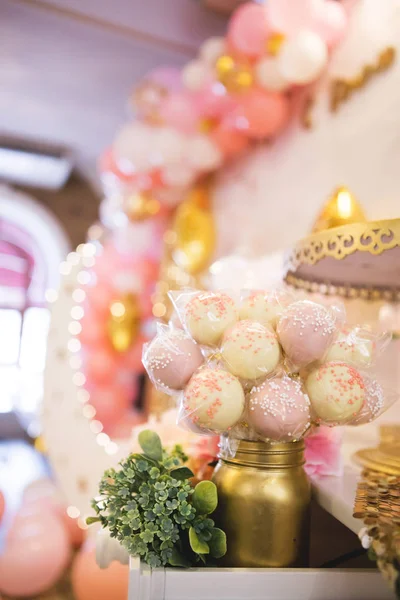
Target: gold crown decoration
[(342, 208)]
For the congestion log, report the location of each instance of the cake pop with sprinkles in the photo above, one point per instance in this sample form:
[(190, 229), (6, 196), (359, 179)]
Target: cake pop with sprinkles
[(171, 359), (336, 391), (305, 331), (213, 400), (208, 315), (265, 307), (279, 409), (374, 402), (250, 350), (353, 346)]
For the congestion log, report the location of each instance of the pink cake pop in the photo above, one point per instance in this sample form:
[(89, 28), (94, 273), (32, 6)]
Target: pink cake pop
[(336, 391), (374, 402), (305, 331), (171, 359), (279, 409), (213, 400)]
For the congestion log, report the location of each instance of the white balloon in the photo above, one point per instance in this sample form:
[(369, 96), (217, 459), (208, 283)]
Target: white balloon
[(212, 49), (303, 57), (169, 147), (268, 75), (202, 153), (133, 143), (179, 175), (195, 75)]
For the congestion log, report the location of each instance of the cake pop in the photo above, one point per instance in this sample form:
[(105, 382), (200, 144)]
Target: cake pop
[(305, 331), (353, 346), (336, 391), (374, 402), (213, 400), (208, 315), (172, 358), (279, 409), (250, 350), (265, 307)]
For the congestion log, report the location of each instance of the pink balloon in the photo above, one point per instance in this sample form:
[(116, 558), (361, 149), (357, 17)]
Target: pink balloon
[(286, 16), (2, 506), (178, 111), (101, 365), (214, 101), (111, 402), (89, 582), (100, 297), (123, 429), (35, 556), (41, 490), (133, 358), (266, 113), (93, 329), (331, 22), (248, 30)]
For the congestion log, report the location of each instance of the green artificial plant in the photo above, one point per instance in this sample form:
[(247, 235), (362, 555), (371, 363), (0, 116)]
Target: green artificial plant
[(150, 506)]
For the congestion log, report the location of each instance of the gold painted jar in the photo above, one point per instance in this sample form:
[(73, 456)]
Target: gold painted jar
[(263, 505)]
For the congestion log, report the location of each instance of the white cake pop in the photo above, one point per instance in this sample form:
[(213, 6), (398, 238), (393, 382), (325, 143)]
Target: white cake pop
[(279, 409), (213, 400), (336, 391), (374, 402), (172, 358), (306, 330), (250, 350), (353, 346), (208, 315), (265, 307)]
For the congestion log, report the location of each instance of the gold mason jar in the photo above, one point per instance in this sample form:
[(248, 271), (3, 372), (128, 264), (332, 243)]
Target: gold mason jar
[(263, 505)]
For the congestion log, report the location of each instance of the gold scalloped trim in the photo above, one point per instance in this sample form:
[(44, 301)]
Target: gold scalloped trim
[(339, 242), (342, 290)]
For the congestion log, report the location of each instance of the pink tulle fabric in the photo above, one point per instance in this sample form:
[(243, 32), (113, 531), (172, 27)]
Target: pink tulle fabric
[(322, 454)]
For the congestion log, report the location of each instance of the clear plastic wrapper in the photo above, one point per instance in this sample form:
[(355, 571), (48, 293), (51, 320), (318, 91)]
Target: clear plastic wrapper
[(263, 366), (306, 330), (171, 358)]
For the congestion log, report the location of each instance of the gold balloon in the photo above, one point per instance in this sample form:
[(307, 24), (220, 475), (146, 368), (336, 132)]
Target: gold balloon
[(40, 445), (234, 76), (123, 322), (140, 206), (341, 209), (274, 43), (195, 232)]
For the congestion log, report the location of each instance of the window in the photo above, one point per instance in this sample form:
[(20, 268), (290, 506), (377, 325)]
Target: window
[(32, 245)]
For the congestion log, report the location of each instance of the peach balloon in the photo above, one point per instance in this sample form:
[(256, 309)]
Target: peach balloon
[(93, 330), (266, 113), (123, 429), (89, 582), (36, 554), (229, 141), (331, 22), (248, 30), (76, 535)]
